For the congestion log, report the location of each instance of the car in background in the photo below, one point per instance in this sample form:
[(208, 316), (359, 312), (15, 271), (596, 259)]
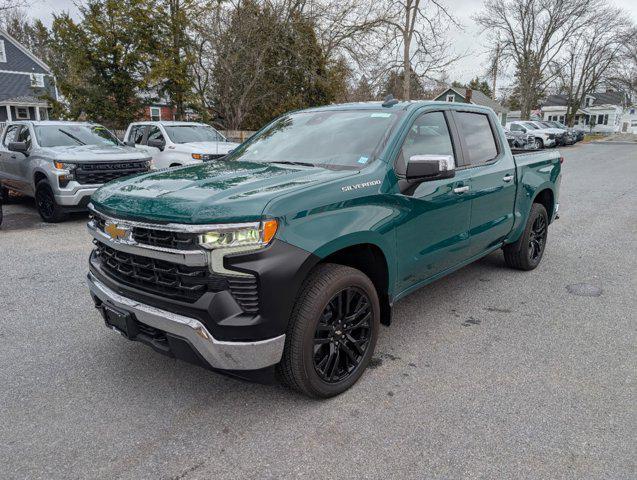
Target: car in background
[(61, 164), (520, 141), (578, 135), (565, 137), (173, 144), (542, 137)]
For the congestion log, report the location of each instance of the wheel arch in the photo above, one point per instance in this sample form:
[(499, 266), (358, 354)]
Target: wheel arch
[(370, 259), (546, 198)]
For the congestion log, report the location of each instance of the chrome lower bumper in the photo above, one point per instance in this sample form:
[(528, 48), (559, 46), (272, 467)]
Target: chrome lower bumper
[(219, 354)]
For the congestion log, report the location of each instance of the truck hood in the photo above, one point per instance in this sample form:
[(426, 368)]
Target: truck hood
[(206, 147), (212, 192), (94, 153)]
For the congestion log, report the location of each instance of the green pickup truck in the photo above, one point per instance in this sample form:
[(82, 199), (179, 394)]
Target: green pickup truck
[(282, 259)]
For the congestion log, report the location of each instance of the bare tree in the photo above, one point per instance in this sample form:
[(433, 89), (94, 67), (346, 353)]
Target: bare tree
[(531, 34), (590, 56), (414, 39), (623, 75)]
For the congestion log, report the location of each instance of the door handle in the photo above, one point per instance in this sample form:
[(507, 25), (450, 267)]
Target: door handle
[(507, 178), (461, 190)]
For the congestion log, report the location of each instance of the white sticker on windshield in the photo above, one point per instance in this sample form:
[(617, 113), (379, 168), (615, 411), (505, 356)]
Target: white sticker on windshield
[(363, 160), (381, 115)]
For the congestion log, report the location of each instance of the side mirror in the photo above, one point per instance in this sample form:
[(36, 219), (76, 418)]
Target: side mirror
[(18, 147), (157, 143), (430, 167)]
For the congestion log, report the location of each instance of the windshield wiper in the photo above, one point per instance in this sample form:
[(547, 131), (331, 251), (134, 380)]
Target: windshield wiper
[(285, 162), (72, 136)]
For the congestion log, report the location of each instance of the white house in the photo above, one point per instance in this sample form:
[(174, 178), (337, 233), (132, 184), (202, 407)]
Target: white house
[(605, 110)]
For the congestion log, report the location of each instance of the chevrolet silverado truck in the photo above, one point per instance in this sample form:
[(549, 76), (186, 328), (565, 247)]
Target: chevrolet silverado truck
[(173, 144), (283, 259), (61, 164)]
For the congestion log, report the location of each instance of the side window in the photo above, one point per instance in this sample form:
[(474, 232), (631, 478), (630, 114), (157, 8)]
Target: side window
[(25, 136), (155, 133), (9, 137), (516, 128), (137, 134), (475, 129), (429, 135)]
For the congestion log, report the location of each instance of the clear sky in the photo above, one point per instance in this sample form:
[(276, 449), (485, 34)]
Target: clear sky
[(468, 40)]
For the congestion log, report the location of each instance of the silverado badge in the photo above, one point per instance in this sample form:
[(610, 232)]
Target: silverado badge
[(117, 232)]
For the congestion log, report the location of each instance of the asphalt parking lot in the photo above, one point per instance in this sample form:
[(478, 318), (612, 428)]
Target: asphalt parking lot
[(489, 373)]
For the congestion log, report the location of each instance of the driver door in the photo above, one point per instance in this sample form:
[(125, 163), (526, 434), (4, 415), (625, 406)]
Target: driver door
[(159, 155), (433, 236)]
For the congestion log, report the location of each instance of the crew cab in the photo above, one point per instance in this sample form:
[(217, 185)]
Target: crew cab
[(288, 255), (61, 164), (173, 144), (544, 137)]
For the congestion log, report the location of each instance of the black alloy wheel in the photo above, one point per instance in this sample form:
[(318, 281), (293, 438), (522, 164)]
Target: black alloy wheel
[(526, 253), (537, 238), (45, 202), (342, 335)]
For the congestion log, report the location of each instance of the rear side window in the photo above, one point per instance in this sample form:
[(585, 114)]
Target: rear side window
[(429, 135), (9, 137), (478, 137)]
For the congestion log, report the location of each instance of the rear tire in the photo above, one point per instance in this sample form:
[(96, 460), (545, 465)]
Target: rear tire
[(45, 202), (539, 143), (332, 332), (527, 252)]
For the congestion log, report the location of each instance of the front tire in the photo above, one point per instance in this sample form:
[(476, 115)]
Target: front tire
[(45, 202), (527, 252), (539, 144), (332, 332)]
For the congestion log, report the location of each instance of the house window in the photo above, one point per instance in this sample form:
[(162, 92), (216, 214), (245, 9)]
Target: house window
[(44, 113), (22, 113), (562, 118), (605, 119), (3, 52), (37, 80), (450, 97), (155, 114), (589, 101)]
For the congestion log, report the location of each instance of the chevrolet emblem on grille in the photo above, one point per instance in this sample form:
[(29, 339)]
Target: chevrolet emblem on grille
[(117, 232)]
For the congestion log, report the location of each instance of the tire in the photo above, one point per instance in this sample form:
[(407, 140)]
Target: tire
[(45, 202), (4, 194), (316, 339), (527, 252), (539, 144)]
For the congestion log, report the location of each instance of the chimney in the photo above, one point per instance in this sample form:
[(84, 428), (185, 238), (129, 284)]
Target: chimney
[(467, 95)]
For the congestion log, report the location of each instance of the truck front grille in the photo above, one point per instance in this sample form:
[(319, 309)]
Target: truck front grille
[(165, 239), (99, 173), (172, 280)]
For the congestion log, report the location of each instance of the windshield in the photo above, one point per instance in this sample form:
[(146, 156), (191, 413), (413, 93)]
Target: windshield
[(336, 138), (193, 133), (530, 125), (73, 135)]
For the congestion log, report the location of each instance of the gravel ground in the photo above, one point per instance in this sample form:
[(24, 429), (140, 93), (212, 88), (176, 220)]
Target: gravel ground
[(488, 373)]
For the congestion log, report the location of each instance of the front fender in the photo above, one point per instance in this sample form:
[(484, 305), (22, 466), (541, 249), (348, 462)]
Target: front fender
[(330, 228)]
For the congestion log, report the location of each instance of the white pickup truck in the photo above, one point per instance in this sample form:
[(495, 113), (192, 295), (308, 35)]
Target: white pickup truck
[(173, 144)]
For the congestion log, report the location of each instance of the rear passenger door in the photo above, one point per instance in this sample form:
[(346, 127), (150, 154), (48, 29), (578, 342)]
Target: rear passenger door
[(493, 185)]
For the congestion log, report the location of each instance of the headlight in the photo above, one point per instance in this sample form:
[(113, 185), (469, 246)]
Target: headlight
[(64, 166), (199, 156), (241, 235)]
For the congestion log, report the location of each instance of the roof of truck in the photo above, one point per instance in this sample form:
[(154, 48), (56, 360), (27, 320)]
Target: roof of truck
[(399, 105)]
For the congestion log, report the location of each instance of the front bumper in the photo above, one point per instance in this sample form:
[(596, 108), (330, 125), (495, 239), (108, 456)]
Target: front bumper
[(218, 354), (77, 197)]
